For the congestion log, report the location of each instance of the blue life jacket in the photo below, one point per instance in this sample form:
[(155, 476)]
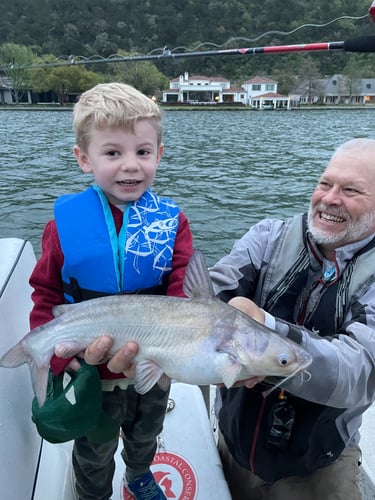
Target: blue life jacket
[(97, 261)]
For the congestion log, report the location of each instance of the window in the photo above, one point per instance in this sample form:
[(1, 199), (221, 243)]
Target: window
[(256, 87), (270, 87)]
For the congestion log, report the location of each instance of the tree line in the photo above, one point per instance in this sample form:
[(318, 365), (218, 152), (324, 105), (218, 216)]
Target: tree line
[(52, 30)]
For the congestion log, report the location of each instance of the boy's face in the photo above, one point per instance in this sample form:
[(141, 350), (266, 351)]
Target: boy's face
[(123, 163)]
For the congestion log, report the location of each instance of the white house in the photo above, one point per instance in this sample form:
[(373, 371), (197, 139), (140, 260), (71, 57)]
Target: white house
[(262, 93), (197, 89), (258, 92)]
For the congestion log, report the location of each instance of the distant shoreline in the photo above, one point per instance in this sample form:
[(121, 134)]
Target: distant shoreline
[(69, 107)]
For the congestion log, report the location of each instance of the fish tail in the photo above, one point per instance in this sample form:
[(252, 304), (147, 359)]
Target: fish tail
[(18, 356), (39, 379)]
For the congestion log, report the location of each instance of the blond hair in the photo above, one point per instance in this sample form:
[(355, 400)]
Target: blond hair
[(116, 105)]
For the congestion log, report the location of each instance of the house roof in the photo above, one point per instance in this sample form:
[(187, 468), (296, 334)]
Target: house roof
[(260, 79), (364, 86), (202, 77), (255, 79), (271, 95), (335, 85), (233, 88)]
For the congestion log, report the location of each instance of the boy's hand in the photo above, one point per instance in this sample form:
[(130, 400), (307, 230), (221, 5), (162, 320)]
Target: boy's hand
[(120, 362), (74, 365)]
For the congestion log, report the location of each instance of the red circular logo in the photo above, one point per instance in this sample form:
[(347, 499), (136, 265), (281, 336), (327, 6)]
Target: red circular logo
[(175, 476)]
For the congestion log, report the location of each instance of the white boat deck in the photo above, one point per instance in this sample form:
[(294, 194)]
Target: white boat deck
[(368, 454), (187, 457)]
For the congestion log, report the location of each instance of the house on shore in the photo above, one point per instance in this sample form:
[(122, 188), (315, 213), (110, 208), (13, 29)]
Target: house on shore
[(258, 92), (262, 94), (335, 90), (8, 95), (200, 90)]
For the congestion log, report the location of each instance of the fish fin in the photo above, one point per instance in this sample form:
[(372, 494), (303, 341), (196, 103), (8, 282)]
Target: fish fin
[(164, 382), (229, 373), (39, 378), (197, 283), (234, 351), (237, 358), (60, 309), (147, 374), (17, 356)]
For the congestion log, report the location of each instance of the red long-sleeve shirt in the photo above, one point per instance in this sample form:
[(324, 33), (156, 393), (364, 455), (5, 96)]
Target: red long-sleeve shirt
[(46, 277)]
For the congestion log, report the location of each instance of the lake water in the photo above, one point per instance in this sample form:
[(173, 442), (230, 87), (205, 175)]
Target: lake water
[(226, 169)]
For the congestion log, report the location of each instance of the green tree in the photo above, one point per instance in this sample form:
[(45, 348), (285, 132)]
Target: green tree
[(310, 76), (63, 80), (144, 26), (143, 75), (360, 66), (14, 60)]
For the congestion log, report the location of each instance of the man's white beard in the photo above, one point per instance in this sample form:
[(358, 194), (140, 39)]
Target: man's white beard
[(354, 231)]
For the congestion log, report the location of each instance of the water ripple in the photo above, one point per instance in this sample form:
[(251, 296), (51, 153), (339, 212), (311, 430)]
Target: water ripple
[(227, 169)]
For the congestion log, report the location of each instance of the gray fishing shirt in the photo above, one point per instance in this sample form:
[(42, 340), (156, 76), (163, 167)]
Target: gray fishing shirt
[(342, 374)]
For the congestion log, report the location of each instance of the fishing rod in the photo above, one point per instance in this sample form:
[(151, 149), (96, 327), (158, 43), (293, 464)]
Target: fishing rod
[(363, 44)]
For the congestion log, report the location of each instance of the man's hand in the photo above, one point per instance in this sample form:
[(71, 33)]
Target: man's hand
[(248, 307), (121, 362)]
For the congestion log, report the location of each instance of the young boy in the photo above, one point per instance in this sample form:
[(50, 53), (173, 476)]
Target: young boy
[(115, 237)]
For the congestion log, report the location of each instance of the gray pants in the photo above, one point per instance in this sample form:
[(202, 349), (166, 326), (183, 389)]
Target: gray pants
[(338, 481), (141, 420)]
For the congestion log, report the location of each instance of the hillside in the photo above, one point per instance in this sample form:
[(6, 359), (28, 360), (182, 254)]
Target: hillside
[(103, 27)]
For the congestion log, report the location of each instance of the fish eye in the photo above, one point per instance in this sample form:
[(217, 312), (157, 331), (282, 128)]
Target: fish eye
[(283, 359)]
